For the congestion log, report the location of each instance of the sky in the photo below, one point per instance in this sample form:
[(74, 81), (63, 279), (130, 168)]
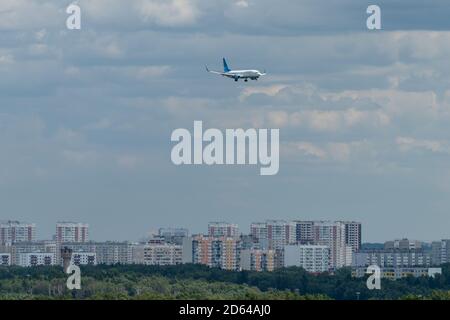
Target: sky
[(86, 115)]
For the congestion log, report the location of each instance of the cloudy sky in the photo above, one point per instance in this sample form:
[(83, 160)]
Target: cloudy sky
[(86, 116)]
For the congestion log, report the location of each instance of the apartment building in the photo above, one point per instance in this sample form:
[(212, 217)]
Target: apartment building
[(19, 248), (228, 249), (273, 234), (312, 258), (392, 258), (353, 231), (257, 260), (223, 229), (36, 259), (258, 231), (162, 254), (84, 258), (16, 231), (72, 232), (304, 232), (216, 252), (332, 235), (440, 252), (111, 252)]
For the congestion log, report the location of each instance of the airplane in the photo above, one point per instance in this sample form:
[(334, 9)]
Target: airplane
[(238, 74)]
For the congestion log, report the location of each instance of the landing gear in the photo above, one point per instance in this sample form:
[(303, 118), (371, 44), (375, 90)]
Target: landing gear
[(236, 79), (246, 80)]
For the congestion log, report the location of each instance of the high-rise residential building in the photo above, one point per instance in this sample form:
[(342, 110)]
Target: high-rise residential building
[(348, 255), (257, 260), (111, 253), (312, 258), (173, 235), (332, 235), (16, 231), (201, 247), (36, 259), (217, 252), (162, 254), (229, 251), (440, 252), (280, 233), (223, 229), (72, 232), (273, 234), (258, 231), (436, 253), (353, 234), (304, 232)]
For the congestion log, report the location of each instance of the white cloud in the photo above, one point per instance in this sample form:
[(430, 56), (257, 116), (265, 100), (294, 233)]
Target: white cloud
[(337, 152), (328, 121), (31, 15), (152, 71), (6, 59), (272, 90), (407, 144), (242, 4), (169, 13), (308, 149)]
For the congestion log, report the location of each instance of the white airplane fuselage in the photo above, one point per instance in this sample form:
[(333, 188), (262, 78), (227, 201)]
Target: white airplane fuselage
[(243, 74), (238, 74)]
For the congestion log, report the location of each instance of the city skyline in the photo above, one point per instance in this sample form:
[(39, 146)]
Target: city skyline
[(203, 229), (316, 246)]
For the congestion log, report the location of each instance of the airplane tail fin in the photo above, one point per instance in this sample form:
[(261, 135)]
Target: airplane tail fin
[(225, 66)]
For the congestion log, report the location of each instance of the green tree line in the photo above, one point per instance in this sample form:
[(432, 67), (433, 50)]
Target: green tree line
[(200, 282)]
